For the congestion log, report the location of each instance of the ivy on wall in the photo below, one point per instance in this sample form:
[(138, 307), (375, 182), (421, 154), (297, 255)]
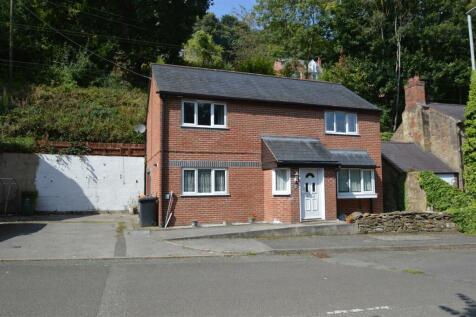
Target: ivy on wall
[(444, 197), (469, 146)]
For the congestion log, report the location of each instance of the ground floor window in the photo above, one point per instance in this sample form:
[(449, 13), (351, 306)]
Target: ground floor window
[(204, 181), (282, 181), (355, 183)]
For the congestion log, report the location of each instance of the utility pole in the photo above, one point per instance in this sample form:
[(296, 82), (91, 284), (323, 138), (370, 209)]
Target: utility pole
[(10, 49), (470, 31)]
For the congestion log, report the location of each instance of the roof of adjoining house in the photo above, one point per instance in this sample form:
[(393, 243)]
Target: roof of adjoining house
[(200, 82), (410, 157), (304, 150), (353, 158), (455, 111)]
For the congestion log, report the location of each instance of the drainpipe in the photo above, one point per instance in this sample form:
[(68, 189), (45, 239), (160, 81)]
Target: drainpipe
[(160, 221)]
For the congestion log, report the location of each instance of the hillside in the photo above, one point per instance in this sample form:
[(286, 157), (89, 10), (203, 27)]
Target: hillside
[(90, 114)]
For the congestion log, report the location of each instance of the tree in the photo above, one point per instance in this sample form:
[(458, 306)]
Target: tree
[(201, 51), (469, 146), (392, 40), (300, 28), (139, 30), (225, 32)]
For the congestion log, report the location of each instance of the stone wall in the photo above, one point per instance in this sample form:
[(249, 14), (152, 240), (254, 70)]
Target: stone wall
[(406, 221)]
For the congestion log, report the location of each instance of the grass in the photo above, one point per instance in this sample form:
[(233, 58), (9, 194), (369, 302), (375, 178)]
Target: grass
[(413, 271), (120, 227)]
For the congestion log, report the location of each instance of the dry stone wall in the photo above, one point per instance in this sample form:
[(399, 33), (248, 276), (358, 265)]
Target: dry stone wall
[(406, 221)]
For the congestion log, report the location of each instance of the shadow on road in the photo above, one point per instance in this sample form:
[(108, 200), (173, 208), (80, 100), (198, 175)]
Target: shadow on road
[(11, 230), (468, 311)]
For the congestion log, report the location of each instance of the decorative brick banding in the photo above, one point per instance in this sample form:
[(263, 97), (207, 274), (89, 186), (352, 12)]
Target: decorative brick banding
[(407, 221)]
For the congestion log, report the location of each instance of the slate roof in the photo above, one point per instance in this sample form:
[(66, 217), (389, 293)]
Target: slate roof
[(410, 157), (304, 150), (298, 150), (453, 110), (353, 158), (211, 83)]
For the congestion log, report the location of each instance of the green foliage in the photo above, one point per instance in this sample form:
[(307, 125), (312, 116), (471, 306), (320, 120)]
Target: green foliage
[(77, 115), (257, 64), (142, 29), (386, 136), (444, 197), (440, 195), (201, 51), (469, 146), (17, 144), (369, 34), (466, 218), (225, 32)]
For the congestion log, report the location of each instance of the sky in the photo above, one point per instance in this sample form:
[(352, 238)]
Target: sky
[(222, 7)]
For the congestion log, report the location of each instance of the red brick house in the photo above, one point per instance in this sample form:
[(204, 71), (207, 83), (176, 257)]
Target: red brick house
[(232, 145)]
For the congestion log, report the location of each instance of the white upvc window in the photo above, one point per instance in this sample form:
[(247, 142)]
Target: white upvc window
[(204, 181), (204, 114), (281, 181), (355, 183), (339, 122)]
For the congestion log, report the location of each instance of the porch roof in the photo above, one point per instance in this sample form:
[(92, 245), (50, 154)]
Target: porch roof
[(353, 158)]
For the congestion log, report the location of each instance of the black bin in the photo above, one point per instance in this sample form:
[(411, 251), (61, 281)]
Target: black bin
[(148, 211)]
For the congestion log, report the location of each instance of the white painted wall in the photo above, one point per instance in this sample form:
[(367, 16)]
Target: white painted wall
[(88, 183)]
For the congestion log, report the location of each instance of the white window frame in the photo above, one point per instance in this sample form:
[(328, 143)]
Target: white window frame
[(213, 192), (285, 192), (212, 115), (334, 130), (362, 194)]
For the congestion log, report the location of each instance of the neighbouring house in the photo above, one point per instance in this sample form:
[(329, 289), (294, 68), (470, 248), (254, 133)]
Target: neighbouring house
[(228, 146), (401, 163), (430, 137), (299, 68)]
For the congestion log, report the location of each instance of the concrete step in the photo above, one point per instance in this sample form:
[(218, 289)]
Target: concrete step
[(307, 229)]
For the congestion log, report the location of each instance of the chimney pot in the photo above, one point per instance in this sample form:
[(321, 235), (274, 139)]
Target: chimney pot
[(414, 92)]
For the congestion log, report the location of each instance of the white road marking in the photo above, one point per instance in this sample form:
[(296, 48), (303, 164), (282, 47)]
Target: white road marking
[(357, 310)]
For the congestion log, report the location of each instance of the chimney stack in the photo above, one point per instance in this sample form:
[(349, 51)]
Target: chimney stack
[(414, 92)]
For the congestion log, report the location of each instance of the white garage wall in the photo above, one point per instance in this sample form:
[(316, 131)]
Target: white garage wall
[(88, 183)]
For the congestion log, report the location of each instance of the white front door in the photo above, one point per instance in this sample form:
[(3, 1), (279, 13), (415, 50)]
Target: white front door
[(312, 193)]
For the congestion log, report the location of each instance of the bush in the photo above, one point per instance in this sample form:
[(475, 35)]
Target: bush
[(444, 197), (91, 114), (441, 195), (257, 65), (17, 144), (465, 218), (469, 146)]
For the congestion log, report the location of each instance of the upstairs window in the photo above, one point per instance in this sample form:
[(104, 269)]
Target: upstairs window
[(338, 122), (203, 114)]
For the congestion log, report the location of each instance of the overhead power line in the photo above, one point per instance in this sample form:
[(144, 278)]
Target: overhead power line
[(99, 16), (80, 33), (80, 46)]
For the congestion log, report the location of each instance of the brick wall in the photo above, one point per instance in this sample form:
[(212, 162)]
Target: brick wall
[(249, 188)]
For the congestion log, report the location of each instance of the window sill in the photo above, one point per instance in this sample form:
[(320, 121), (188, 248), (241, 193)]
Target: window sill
[(356, 196), (204, 127), (281, 194), (343, 134), (205, 195)]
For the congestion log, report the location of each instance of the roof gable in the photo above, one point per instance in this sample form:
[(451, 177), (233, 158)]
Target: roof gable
[(192, 81)]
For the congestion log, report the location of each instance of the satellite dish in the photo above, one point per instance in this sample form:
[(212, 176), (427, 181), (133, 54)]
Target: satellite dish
[(139, 128)]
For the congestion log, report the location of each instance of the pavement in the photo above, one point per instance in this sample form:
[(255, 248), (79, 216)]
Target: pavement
[(360, 284), (117, 236)]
